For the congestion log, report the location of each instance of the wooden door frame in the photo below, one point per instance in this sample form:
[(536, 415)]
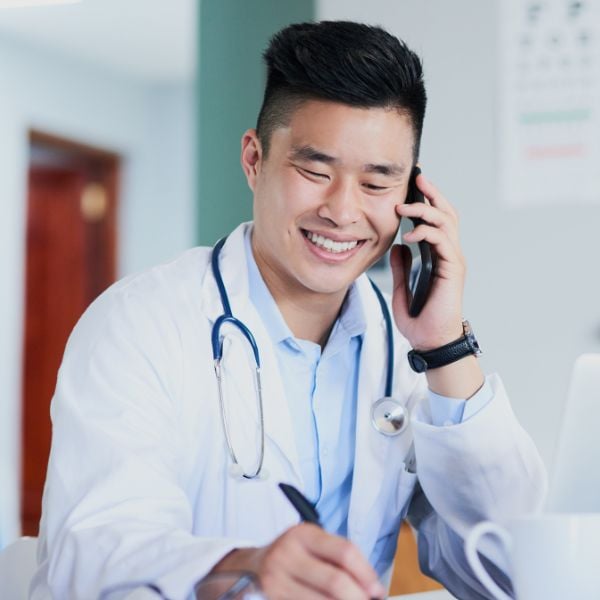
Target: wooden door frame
[(36, 136), (98, 163)]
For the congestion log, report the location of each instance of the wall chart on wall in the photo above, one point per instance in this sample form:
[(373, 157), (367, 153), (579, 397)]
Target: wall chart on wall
[(549, 102)]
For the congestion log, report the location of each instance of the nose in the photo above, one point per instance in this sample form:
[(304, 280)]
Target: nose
[(341, 205)]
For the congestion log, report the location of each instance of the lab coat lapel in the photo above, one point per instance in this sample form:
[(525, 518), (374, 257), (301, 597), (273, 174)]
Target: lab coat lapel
[(375, 454), (277, 418)]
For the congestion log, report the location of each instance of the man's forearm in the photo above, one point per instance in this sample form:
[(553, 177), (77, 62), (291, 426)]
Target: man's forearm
[(461, 379)]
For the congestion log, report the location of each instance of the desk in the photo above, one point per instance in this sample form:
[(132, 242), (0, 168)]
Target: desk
[(437, 595)]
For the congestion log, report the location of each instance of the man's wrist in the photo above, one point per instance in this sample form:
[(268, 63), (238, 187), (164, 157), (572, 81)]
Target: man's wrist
[(461, 347), (238, 559), (460, 379)]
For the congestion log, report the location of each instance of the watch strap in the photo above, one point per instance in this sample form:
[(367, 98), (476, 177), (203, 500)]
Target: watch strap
[(444, 355)]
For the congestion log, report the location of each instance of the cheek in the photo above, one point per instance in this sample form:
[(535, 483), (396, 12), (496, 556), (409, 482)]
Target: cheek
[(298, 194), (282, 200), (385, 218)]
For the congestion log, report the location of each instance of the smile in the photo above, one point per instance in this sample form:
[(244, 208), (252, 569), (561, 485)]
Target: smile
[(329, 244)]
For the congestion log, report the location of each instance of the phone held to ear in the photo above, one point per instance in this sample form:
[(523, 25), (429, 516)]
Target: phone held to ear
[(422, 268)]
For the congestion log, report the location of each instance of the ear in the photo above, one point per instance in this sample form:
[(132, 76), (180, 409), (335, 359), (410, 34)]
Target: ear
[(251, 157)]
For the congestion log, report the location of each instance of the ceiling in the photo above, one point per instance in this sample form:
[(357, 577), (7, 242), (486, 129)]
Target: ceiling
[(154, 40)]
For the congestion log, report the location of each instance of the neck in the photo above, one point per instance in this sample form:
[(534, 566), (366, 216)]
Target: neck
[(308, 318), (309, 315)]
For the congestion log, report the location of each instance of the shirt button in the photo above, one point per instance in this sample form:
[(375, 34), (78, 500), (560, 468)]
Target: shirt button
[(325, 451)]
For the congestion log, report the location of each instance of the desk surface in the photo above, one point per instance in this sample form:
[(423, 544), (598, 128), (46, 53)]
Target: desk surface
[(438, 595)]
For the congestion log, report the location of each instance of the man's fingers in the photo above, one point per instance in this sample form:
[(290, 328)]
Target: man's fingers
[(435, 197), (283, 586), (345, 555), (308, 562), (427, 212), (432, 216), (444, 246), (328, 580)]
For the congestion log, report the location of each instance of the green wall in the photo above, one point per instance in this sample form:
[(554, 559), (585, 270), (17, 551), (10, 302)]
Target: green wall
[(231, 75)]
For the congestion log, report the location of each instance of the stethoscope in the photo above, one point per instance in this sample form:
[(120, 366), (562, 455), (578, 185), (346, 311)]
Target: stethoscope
[(388, 416)]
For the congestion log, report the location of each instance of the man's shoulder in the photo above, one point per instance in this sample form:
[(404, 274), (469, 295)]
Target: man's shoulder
[(185, 270), (167, 292)]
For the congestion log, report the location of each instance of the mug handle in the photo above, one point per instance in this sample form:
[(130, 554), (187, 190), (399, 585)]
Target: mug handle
[(481, 529)]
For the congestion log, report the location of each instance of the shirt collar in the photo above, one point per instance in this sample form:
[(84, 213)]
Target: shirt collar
[(350, 323)]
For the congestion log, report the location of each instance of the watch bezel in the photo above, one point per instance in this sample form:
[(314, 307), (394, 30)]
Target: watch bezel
[(471, 339), (417, 362)]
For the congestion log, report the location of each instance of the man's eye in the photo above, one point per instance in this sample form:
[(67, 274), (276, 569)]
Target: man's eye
[(375, 188), (314, 173)]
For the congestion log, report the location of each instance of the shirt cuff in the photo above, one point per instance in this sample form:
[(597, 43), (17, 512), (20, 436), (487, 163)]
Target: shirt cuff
[(447, 411)]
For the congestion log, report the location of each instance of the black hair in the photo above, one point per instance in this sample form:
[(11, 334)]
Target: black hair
[(341, 61)]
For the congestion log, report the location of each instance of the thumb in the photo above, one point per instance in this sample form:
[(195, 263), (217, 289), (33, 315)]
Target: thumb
[(400, 263)]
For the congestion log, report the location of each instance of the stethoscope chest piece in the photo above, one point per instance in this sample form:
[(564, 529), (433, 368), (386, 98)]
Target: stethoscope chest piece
[(389, 416)]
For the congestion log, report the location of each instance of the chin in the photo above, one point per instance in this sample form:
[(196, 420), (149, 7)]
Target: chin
[(326, 284)]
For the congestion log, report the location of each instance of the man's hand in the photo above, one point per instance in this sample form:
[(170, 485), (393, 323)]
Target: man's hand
[(440, 321), (307, 562)]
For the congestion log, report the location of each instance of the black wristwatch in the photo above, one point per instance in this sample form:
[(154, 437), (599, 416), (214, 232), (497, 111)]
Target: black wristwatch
[(445, 355)]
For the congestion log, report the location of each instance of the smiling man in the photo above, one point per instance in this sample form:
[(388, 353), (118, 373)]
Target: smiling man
[(165, 463)]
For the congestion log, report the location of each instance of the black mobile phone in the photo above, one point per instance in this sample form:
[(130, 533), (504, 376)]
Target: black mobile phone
[(422, 266)]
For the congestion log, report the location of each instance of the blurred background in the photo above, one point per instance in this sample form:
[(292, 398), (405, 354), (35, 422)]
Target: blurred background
[(120, 123)]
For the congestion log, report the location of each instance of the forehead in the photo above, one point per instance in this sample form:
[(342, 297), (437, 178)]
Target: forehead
[(342, 130)]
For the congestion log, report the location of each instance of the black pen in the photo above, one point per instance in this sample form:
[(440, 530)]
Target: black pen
[(308, 513)]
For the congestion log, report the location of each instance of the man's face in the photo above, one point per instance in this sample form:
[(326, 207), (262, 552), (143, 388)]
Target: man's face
[(325, 197)]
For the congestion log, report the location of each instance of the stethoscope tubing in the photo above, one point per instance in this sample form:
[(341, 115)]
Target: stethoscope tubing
[(389, 375), (217, 348)]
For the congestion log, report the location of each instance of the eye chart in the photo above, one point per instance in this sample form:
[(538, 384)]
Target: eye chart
[(549, 92)]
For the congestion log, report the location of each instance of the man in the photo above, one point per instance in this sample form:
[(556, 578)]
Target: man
[(145, 477)]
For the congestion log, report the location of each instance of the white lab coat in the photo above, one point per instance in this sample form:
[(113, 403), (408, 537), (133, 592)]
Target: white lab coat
[(138, 485)]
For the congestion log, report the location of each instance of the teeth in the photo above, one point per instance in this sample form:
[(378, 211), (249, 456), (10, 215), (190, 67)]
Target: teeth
[(330, 245)]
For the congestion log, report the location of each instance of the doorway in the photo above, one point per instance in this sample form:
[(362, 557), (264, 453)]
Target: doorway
[(70, 259)]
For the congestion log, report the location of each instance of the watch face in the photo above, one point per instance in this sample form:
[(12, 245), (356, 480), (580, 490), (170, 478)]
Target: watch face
[(417, 362)]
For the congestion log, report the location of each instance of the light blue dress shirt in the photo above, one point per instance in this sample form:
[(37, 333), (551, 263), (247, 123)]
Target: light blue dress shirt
[(321, 388)]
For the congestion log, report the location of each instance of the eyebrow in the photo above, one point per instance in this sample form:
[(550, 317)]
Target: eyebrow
[(390, 169), (312, 154)]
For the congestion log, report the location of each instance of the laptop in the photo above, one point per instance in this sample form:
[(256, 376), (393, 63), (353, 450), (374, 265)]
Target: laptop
[(575, 481)]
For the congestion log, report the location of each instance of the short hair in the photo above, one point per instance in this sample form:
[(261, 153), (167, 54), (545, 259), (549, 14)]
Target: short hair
[(341, 61)]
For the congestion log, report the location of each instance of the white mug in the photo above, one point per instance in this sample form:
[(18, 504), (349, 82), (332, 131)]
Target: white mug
[(550, 556)]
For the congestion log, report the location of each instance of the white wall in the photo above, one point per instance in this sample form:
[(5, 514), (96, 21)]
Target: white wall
[(533, 292), (151, 126)]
